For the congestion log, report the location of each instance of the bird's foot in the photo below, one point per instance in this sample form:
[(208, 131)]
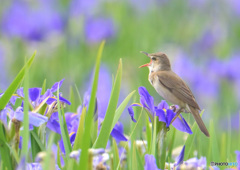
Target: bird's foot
[(173, 108), (177, 114)]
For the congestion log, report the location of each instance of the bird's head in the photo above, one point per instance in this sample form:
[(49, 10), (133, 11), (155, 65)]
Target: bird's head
[(158, 62)]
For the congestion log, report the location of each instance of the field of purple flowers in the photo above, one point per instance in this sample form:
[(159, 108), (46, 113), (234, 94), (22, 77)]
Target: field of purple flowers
[(72, 95)]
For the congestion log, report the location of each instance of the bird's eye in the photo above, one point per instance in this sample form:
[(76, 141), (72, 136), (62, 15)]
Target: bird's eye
[(154, 59)]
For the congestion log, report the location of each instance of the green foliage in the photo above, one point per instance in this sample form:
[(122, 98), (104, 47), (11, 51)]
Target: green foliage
[(15, 83), (88, 121), (106, 128)]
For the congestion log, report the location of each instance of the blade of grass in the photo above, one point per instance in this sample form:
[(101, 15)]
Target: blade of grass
[(64, 131), (153, 144), (44, 87), (49, 161), (170, 146), (36, 138), (58, 157), (190, 140), (148, 134), (121, 108), (115, 153), (105, 130), (139, 161), (6, 160), (134, 157), (34, 145), (73, 101), (25, 132), (130, 136), (83, 161), (79, 136), (15, 83), (79, 95), (214, 143)]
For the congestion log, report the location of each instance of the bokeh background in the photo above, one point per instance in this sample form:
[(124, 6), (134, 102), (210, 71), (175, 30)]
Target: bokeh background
[(200, 37)]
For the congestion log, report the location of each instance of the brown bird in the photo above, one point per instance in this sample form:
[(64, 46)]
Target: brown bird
[(172, 88)]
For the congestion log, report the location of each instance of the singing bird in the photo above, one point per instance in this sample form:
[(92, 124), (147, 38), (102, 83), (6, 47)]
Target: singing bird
[(172, 88)]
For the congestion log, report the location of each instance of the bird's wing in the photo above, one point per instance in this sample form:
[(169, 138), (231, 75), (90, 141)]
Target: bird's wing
[(178, 87)]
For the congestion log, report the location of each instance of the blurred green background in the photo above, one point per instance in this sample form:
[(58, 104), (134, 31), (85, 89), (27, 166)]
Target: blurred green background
[(200, 37)]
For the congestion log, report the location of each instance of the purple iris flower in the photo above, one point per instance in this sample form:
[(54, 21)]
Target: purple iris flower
[(195, 162), (4, 71), (35, 119), (179, 159), (98, 29), (235, 5), (78, 7), (150, 163), (162, 111), (117, 132), (36, 98), (19, 20), (99, 156)]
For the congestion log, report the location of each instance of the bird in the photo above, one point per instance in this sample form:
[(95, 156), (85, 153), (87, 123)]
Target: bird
[(172, 88)]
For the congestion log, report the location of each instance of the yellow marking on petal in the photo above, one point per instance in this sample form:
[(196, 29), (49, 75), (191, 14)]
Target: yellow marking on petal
[(164, 110), (73, 114), (71, 134), (138, 104)]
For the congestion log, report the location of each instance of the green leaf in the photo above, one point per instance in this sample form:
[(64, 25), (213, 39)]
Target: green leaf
[(79, 96), (214, 143), (64, 131), (171, 143), (106, 128), (25, 132), (4, 150), (79, 136), (115, 154), (34, 145), (88, 122), (15, 83), (190, 140), (148, 134), (121, 108), (72, 100), (49, 160), (59, 157), (139, 161), (134, 157), (153, 144), (43, 87), (36, 138)]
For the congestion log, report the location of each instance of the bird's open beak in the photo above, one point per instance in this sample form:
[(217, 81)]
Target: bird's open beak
[(148, 64)]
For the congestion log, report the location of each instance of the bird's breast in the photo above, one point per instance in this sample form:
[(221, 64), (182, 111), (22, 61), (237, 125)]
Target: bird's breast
[(164, 92)]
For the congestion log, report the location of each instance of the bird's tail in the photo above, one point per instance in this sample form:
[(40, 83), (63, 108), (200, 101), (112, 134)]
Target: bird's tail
[(199, 121)]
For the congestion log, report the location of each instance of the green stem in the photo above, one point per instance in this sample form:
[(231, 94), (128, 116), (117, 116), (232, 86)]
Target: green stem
[(161, 144), (154, 136)]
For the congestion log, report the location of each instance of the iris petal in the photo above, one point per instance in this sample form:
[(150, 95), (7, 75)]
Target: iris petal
[(56, 86), (179, 159), (118, 135), (131, 113), (34, 93), (161, 115), (148, 99), (170, 116), (150, 162)]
